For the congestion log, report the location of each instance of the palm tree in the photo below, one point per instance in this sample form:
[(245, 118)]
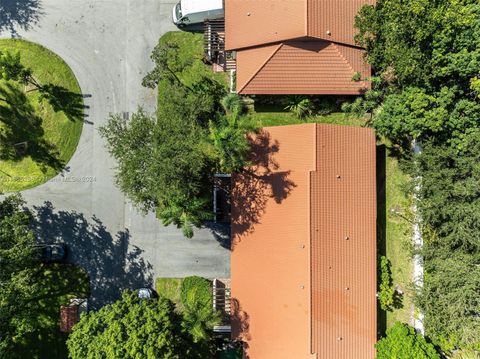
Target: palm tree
[(230, 142)]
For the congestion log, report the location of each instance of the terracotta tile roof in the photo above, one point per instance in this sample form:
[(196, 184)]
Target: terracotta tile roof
[(301, 67), (69, 316), (333, 20), (295, 46), (258, 22), (343, 222), (251, 23), (288, 280)]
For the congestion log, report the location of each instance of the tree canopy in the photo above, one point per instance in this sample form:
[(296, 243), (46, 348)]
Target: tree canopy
[(18, 268), (426, 60), (449, 203), (167, 161), (426, 57), (401, 342), (135, 328)]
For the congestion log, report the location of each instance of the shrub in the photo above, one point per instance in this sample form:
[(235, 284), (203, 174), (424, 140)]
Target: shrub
[(300, 106), (198, 314), (386, 295), (196, 288), (233, 104), (402, 342)]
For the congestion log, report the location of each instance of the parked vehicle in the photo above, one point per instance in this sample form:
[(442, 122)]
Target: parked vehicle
[(146, 293), (49, 253), (189, 12)]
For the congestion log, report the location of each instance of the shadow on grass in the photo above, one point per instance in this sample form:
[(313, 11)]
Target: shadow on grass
[(21, 125), (21, 14), (62, 99), (111, 263), (381, 169)]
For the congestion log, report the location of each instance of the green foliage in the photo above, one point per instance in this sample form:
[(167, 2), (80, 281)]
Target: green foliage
[(450, 208), (12, 69), (233, 104), (401, 342), (196, 289), (167, 162), (300, 106), (386, 295), (167, 65), (17, 274), (197, 301), (426, 55), (161, 165), (357, 76), (230, 143), (133, 328)]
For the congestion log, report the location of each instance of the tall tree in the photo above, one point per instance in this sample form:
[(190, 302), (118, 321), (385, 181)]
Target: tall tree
[(134, 328), (18, 268), (426, 55), (162, 166)]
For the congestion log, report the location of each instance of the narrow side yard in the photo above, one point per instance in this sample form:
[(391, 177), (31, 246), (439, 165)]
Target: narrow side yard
[(399, 237)]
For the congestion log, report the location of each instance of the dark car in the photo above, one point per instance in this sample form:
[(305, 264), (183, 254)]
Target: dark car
[(51, 252)]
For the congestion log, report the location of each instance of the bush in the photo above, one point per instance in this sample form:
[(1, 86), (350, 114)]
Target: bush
[(199, 317), (386, 295), (233, 104), (300, 106), (402, 342), (196, 289)]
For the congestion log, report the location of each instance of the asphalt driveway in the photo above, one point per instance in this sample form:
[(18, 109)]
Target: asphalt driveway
[(107, 44)]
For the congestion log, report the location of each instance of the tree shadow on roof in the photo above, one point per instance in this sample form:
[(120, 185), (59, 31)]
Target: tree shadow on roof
[(253, 187), (111, 263), (21, 14)]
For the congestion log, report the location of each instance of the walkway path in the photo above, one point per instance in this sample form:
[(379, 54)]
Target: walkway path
[(417, 315), (107, 44)]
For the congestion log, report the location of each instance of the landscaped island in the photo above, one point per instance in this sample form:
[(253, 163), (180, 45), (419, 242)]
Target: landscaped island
[(41, 114)]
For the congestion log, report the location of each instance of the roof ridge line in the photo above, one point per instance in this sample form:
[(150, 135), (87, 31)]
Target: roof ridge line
[(344, 58), (261, 67)]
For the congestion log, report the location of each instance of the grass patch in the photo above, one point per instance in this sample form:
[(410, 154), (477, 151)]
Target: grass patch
[(398, 237), (191, 53), (169, 288), (272, 115), (60, 283), (51, 128)]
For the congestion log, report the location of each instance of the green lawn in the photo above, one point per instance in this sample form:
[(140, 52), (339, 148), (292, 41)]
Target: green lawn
[(399, 237), (51, 127), (60, 283), (190, 55), (169, 288), (270, 115)]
